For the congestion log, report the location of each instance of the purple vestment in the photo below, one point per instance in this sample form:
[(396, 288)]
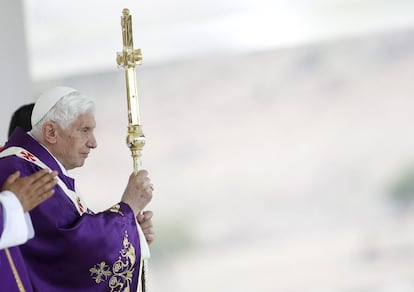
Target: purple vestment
[(8, 280), (70, 252)]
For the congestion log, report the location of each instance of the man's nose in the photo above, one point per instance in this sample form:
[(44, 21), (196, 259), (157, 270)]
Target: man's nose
[(92, 142)]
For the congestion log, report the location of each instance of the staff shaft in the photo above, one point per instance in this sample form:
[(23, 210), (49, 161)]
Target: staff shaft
[(135, 139)]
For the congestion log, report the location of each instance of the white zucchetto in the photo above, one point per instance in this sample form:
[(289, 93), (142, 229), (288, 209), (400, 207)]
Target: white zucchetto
[(47, 100)]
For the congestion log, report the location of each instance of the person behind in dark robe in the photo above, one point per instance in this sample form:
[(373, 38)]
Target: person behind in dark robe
[(17, 197), (21, 118), (75, 249)]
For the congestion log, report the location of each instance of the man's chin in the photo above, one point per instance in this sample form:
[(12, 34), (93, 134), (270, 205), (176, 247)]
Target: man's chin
[(78, 164)]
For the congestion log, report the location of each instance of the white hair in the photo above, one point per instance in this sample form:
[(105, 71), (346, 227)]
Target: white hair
[(65, 112)]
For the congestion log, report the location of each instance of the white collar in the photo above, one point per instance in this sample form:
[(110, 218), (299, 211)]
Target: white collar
[(62, 168)]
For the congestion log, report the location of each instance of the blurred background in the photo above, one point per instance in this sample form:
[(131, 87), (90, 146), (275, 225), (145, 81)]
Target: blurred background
[(278, 132)]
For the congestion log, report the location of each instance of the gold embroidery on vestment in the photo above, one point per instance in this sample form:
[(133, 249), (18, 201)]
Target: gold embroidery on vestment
[(100, 272), (122, 269), (116, 209)]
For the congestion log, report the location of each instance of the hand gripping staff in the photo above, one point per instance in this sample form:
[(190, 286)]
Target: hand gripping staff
[(135, 139)]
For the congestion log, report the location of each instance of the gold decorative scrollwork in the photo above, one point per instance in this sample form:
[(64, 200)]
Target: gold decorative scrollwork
[(122, 270), (100, 272)]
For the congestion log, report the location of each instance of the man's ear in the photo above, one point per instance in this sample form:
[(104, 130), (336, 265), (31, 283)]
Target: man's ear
[(50, 132)]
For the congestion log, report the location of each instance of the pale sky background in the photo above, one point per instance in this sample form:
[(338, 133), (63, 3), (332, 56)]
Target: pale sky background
[(279, 160), (67, 38)]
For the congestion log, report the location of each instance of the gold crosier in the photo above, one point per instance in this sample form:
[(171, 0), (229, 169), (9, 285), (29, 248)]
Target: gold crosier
[(128, 58)]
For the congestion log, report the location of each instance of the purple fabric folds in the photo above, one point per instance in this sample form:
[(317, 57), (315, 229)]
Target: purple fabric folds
[(8, 281), (92, 252)]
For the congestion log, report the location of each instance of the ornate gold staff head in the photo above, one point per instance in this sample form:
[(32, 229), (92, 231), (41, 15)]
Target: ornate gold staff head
[(127, 59)]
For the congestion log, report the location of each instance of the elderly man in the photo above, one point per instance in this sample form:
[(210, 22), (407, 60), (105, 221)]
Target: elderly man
[(75, 249)]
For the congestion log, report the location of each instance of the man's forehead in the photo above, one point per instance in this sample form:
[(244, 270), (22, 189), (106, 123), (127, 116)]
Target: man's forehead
[(85, 119)]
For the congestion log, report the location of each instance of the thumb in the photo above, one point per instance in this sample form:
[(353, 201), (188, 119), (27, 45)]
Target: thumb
[(12, 178), (140, 218)]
